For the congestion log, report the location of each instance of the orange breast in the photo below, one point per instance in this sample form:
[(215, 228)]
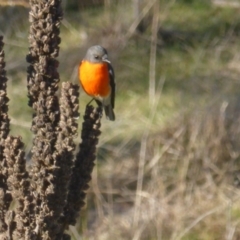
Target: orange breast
[(94, 78)]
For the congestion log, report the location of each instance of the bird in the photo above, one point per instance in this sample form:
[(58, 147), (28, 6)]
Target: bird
[(96, 76)]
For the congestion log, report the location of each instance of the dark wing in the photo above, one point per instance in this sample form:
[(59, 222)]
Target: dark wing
[(112, 83)]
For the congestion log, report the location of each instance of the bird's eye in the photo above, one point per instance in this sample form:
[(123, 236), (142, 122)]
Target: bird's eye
[(96, 56)]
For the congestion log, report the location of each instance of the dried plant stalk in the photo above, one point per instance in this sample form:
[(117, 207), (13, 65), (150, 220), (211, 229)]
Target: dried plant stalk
[(83, 165), (19, 184), (5, 196), (43, 78), (43, 81), (67, 132), (4, 119), (64, 149)]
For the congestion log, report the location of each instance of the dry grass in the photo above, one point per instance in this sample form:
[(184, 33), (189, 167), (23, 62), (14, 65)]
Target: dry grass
[(179, 183)]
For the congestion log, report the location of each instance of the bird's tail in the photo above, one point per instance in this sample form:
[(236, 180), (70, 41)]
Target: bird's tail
[(109, 112)]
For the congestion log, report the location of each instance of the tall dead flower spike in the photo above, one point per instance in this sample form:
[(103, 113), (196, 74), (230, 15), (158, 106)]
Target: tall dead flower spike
[(64, 147), (43, 78), (83, 165), (19, 184), (5, 196)]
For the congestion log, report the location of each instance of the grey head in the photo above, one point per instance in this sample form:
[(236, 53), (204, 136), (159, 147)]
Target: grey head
[(96, 54)]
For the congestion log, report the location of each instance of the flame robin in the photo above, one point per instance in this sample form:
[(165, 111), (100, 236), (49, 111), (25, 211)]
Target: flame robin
[(96, 76)]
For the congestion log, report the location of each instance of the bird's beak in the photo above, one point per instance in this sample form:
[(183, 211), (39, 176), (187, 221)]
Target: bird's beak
[(105, 58)]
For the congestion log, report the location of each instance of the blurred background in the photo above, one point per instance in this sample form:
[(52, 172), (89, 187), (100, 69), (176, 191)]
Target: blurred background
[(169, 166)]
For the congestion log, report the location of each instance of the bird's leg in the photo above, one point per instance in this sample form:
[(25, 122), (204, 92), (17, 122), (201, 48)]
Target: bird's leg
[(90, 101), (99, 103)]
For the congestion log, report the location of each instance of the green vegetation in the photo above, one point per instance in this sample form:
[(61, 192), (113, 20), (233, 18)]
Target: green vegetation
[(164, 171)]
